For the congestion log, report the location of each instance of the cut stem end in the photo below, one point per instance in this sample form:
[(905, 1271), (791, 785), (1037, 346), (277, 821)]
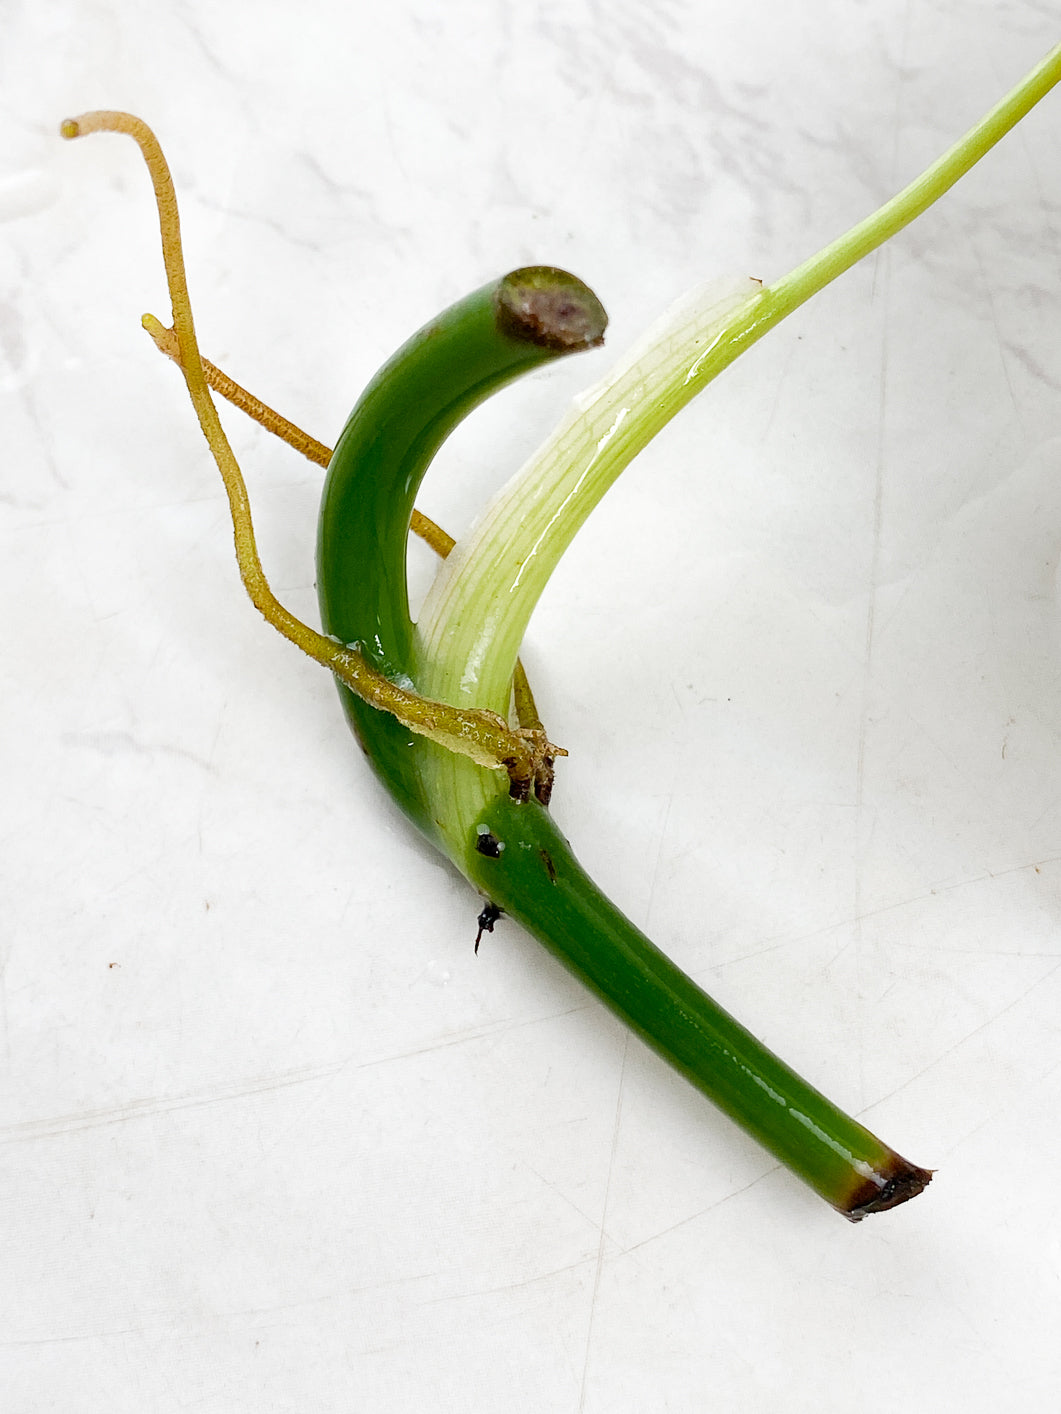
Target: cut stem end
[(903, 1182), (550, 308)]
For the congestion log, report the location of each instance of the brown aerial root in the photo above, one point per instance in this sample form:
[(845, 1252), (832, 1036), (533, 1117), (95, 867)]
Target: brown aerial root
[(483, 736)]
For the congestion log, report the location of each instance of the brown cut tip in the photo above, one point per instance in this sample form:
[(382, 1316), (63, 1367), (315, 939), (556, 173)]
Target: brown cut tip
[(548, 307), (898, 1184)]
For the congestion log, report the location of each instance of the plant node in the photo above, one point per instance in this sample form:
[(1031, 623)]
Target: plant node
[(483, 736)]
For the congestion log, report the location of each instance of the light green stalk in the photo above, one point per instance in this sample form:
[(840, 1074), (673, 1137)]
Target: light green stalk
[(477, 611)]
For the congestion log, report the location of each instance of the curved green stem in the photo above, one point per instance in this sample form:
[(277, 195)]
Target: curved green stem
[(439, 540), (482, 736), (470, 630), (519, 859), (470, 351), (466, 652), (511, 850)]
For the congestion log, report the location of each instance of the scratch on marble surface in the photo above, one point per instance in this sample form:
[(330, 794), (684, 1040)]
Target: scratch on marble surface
[(700, 1213), (660, 840), (535, 1279), (999, 341), (17, 1344), (882, 265), (323, 1298), (1030, 364), (881, 269), (472, 1033), (5, 1026), (439, 1043), (555, 1188), (933, 891), (963, 1040), (603, 1231), (1003, 1111), (60, 1125)]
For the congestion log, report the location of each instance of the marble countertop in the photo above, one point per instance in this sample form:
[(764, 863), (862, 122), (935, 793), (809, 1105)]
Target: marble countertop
[(272, 1137)]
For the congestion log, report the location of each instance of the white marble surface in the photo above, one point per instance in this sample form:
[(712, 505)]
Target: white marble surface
[(272, 1138)]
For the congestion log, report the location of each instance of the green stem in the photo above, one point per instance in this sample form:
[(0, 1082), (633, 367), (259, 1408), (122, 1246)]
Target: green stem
[(512, 850), (523, 864), (821, 269), (470, 351), (469, 634)]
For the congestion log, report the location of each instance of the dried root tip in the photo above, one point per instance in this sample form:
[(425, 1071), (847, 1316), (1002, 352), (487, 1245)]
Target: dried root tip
[(904, 1182), (483, 736), (531, 773)]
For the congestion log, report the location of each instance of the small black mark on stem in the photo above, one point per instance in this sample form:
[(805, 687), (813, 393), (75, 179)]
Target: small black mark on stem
[(486, 920), (486, 842)]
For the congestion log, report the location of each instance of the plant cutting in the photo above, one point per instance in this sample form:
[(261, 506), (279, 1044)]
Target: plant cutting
[(442, 708)]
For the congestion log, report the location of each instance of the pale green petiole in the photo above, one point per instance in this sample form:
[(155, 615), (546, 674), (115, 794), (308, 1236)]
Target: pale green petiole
[(474, 619)]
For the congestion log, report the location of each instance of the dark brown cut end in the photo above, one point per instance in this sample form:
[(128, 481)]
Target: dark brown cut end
[(899, 1184), (548, 307)]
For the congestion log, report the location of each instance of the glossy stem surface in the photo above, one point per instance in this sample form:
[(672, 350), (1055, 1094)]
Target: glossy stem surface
[(512, 851), (521, 861), (449, 367), (440, 541)]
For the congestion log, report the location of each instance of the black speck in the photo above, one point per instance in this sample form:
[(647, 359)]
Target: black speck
[(486, 920), (488, 843)]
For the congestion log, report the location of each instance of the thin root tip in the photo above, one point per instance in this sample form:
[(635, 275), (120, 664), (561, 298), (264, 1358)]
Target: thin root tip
[(69, 128), (160, 335)]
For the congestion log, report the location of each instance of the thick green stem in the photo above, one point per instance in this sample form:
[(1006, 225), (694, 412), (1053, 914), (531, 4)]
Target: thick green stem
[(470, 351), (524, 865), (469, 634), (511, 850)]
